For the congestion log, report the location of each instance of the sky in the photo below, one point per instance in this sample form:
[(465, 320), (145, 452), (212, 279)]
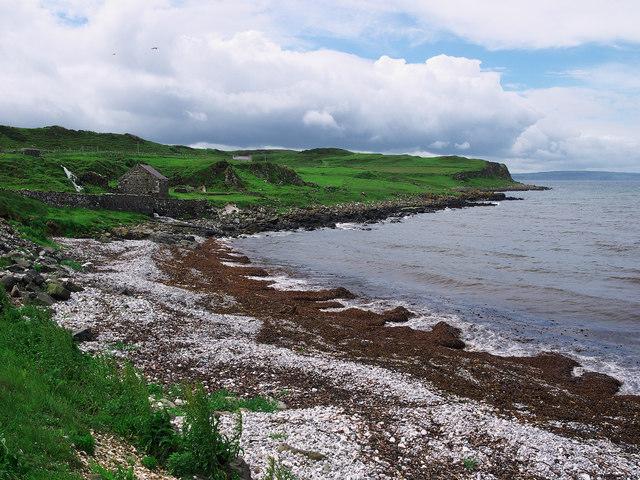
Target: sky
[(537, 84)]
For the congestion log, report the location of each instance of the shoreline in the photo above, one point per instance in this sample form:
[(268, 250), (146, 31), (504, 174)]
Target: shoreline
[(295, 330)]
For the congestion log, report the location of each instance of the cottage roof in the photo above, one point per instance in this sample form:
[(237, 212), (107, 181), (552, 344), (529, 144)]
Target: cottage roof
[(153, 171)]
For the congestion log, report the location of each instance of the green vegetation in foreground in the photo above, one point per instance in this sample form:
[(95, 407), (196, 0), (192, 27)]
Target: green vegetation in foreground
[(52, 396), (332, 175), (37, 221)]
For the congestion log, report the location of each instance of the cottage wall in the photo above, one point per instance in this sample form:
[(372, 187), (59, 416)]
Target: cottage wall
[(171, 207), (138, 181)]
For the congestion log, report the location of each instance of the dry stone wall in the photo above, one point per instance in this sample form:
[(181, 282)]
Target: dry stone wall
[(148, 205)]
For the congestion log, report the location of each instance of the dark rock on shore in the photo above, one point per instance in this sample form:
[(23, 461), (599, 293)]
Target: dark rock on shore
[(447, 336), (84, 335), (32, 274), (398, 315)]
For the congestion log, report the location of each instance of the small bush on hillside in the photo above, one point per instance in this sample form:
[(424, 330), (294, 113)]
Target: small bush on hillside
[(203, 449), (150, 462), (277, 471), (120, 473), (84, 442)]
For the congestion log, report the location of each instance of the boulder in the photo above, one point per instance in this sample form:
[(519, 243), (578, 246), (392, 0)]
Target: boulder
[(57, 291), (93, 178), (447, 336), (72, 287), (32, 276), (42, 299), (86, 334), (9, 281), (238, 468), (398, 315)]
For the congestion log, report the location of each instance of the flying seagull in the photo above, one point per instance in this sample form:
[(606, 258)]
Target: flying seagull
[(154, 48)]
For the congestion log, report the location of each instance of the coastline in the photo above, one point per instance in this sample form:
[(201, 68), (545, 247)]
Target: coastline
[(237, 332)]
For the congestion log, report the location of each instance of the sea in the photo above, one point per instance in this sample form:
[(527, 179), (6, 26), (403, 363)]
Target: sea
[(556, 271)]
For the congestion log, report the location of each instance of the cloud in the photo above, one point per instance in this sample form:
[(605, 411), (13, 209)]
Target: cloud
[(439, 144), (241, 88), (519, 24), (235, 73), (582, 128), (314, 118)]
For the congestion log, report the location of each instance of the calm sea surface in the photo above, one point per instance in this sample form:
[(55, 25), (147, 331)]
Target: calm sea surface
[(558, 271)]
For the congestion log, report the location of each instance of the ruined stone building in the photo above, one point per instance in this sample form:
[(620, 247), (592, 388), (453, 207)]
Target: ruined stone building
[(144, 180)]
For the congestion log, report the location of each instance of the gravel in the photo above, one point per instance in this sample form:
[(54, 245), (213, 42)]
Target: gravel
[(425, 426)]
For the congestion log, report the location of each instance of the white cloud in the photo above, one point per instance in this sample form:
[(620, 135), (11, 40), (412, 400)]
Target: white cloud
[(199, 116), (234, 73), (324, 119), (581, 128), (493, 24), (244, 88), (439, 144)]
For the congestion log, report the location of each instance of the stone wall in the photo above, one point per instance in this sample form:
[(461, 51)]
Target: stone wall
[(169, 207)]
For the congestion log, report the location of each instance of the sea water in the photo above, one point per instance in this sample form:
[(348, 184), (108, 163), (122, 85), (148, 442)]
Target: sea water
[(557, 271)]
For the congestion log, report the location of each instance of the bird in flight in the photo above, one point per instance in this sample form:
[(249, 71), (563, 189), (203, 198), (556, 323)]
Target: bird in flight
[(154, 48)]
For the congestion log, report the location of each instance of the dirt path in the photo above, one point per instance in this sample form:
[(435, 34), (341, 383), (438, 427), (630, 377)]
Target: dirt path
[(365, 400)]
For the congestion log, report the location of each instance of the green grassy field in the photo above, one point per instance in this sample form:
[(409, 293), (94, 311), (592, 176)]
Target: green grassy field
[(332, 175), (37, 222), (53, 396)]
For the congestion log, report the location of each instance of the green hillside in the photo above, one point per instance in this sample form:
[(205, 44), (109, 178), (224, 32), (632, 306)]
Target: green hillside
[(59, 138), (277, 178)]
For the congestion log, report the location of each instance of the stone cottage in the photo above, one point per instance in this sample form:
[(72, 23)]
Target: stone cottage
[(144, 180)]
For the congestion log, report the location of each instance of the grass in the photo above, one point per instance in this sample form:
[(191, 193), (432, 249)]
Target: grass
[(470, 464), (333, 175), (37, 221), (72, 264), (276, 470), (52, 396), (224, 401), (120, 473)]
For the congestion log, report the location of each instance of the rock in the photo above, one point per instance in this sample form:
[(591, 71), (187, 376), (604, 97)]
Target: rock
[(166, 238), (240, 468), (398, 315), (9, 281), (57, 291), (447, 336), (42, 298), (72, 287), (93, 178), (32, 276), (84, 335)]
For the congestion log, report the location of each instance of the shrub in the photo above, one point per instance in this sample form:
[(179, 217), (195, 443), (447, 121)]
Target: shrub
[(120, 473), (277, 471), (150, 462), (203, 449), (84, 442), (470, 464), (157, 436), (10, 464)]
